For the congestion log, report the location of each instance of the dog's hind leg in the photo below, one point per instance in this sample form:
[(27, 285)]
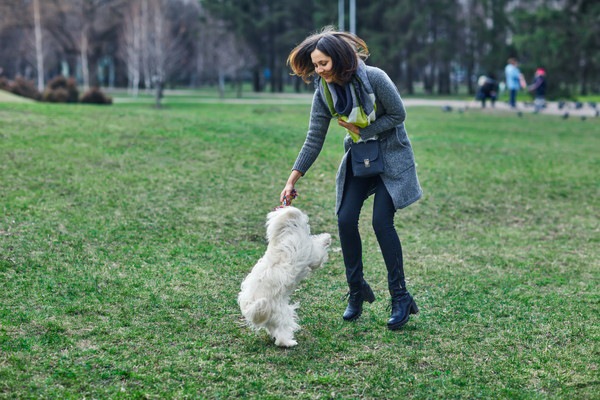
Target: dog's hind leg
[(284, 337), (286, 325), (258, 312)]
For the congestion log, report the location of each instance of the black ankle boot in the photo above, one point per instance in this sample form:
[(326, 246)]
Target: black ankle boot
[(402, 306), (356, 297)]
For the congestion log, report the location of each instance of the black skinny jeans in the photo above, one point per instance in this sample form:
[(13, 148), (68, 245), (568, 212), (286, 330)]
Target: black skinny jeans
[(355, 193)]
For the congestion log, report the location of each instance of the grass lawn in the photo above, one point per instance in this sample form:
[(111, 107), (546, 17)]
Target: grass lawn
[(126, 231), (12, 98)]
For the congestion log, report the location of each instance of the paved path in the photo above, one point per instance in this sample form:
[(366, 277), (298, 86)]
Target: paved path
[(567, 110), (180, 96)]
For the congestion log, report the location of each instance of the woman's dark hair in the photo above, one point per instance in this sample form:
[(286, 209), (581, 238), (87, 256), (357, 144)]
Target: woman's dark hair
[(344, 49)]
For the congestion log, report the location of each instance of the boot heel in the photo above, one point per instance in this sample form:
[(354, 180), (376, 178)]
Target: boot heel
[(413, 308), (368, 294)]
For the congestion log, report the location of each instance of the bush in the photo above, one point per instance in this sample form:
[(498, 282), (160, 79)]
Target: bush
[(58, 95), (61, 90), (22, 87), (96, 96), (4, 84)]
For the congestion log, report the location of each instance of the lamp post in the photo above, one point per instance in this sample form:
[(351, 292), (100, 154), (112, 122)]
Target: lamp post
[(342, 15), (353, 16)]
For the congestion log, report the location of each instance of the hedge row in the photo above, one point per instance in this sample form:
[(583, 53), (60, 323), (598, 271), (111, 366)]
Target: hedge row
[(58, 90)]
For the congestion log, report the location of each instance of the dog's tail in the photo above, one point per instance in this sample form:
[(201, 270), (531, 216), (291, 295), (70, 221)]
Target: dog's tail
[(258, 312)]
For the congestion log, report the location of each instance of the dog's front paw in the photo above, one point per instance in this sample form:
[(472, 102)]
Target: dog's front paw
[(285, 342), (325, 238)]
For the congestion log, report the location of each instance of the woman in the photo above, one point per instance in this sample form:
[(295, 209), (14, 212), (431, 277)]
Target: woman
[(367, 103), (514, 80), (487, 89)]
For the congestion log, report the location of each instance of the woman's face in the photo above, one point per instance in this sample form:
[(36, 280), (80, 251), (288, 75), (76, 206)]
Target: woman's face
[(323, 65)]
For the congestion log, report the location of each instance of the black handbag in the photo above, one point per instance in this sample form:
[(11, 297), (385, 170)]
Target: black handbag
[(366, 158)]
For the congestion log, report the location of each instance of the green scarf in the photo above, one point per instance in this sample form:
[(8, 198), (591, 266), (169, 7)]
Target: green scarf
[(363, 100)]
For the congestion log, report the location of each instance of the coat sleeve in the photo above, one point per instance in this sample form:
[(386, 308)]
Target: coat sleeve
[(388, 97), (320, 117)]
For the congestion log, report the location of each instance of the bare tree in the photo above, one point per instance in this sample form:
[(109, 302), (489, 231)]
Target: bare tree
[(98, 24), (222, 54), (158, 38), (164, 44), (131, 51)]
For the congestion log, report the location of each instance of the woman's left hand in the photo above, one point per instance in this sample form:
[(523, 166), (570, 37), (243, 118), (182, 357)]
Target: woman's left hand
[(351, 127)]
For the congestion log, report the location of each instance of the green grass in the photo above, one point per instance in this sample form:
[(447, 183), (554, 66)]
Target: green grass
[(12, 98), (126, 231)]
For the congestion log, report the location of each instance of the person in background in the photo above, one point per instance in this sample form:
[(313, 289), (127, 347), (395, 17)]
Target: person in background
[(538, 88), (487, 89), (514, 80), (365, 102)]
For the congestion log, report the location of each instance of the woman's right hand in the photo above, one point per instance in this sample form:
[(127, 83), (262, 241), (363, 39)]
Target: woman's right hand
[(287, 195)]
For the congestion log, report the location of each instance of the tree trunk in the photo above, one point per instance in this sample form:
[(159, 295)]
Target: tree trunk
[(278, 73), (135, 56), (39, 50), (85, 70), (256, 80), (585, 69), (93, 60), (297, 84), (221, 84), (408, 79), (145, 47), (239, 85), (159, 92), (444, 79)]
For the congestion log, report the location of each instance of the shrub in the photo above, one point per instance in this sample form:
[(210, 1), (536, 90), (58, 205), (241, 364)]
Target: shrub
[(58, 95), (4, 84), (61, 90), (96, 96), (22, 87)]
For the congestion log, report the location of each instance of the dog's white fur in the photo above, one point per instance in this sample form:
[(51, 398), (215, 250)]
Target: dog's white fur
[(292, 253)]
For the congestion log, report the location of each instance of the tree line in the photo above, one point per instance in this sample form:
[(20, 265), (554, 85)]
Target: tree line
[(439, 45)]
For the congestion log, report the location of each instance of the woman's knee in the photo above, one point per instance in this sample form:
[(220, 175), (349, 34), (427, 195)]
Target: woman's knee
[(382, 222), (347, 219)]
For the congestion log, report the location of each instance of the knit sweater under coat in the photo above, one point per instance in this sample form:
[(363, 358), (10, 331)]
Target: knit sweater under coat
[(399, 176)]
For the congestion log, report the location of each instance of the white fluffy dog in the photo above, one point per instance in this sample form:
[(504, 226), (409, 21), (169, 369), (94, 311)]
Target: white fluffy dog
[(292, 253)]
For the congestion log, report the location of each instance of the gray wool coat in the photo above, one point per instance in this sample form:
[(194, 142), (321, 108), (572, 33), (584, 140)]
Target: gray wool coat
[(399, 176)]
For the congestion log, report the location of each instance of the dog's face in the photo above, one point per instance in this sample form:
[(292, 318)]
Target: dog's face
[(286, 221)]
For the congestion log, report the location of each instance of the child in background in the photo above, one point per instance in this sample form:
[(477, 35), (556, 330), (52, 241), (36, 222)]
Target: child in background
[(538, 88)]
